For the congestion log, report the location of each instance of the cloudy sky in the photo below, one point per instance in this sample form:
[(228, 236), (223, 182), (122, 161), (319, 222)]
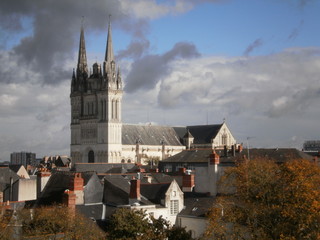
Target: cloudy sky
[(255, 63)]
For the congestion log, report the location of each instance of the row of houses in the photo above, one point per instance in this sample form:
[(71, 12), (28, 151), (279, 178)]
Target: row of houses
[(182, 189)]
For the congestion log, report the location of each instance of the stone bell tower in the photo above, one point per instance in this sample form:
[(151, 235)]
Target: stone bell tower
[(96, 108)]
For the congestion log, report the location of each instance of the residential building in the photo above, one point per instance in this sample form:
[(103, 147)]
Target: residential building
[(17, 184)]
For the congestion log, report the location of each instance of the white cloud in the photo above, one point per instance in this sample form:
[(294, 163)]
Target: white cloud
[(270, 97), (150, 9)]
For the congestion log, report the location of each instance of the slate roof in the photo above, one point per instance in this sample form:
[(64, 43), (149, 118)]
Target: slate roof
[(161, 178), (5, 174), (202, 133), (274, 154), (102, 167), (196, 205), (149, 135), (93, 211), (188, 135), (15, 168), (57, 184), (190, 156), (154, 192), (117, 189), (277, 154)]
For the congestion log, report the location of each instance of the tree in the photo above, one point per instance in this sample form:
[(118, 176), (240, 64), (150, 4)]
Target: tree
[(137, 225), (57, 221), (271, 201), (5, 220), (178, 233)]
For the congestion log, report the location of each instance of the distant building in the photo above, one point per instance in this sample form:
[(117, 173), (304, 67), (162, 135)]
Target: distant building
[(23, 158), (313, 145), (312, 148)]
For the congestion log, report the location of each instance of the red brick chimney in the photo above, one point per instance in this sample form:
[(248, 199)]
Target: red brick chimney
[(76, 183), (214, 158), (187, 182), (182, 170), (76, 186), (134, 195), (69, 199)]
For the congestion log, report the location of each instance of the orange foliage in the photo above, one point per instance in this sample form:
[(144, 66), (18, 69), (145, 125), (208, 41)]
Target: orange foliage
[(270, 201)]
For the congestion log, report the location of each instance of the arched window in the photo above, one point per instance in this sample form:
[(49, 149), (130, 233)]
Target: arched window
[(224, 139), (91, 157)]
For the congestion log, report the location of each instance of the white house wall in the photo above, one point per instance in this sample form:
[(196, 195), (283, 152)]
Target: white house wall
[(27, 189)]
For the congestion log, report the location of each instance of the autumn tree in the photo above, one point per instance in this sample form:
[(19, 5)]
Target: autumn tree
[(6, 230), (270, 201), (137, 225), (58, 220)]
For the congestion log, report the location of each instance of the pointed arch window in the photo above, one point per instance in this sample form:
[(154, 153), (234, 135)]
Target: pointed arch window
[(224, 139), (91, 157)]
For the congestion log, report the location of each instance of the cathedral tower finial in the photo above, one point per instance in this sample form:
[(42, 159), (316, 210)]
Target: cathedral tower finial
[(82, 68), (109, 50)]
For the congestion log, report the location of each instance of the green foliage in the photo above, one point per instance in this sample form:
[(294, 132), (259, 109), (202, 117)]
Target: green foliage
[(271, 201), (137, 225)]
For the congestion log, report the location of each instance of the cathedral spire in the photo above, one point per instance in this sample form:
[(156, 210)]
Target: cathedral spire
[(109, 50), (82, 68)]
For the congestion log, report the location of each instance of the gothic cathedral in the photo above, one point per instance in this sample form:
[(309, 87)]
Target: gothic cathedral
[(98, 134), (96, 108)]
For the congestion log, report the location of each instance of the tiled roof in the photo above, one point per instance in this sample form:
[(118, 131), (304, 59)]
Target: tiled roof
[(154, 192), (15, 168), (58, 183), (149, 135), (117, 188), (190, 156), (102, 167), (202, 134), (274, 154), (196, 205), (6, 173)]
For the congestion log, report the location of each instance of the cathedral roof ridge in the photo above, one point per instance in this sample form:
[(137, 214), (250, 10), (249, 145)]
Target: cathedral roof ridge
[(206, 125)]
